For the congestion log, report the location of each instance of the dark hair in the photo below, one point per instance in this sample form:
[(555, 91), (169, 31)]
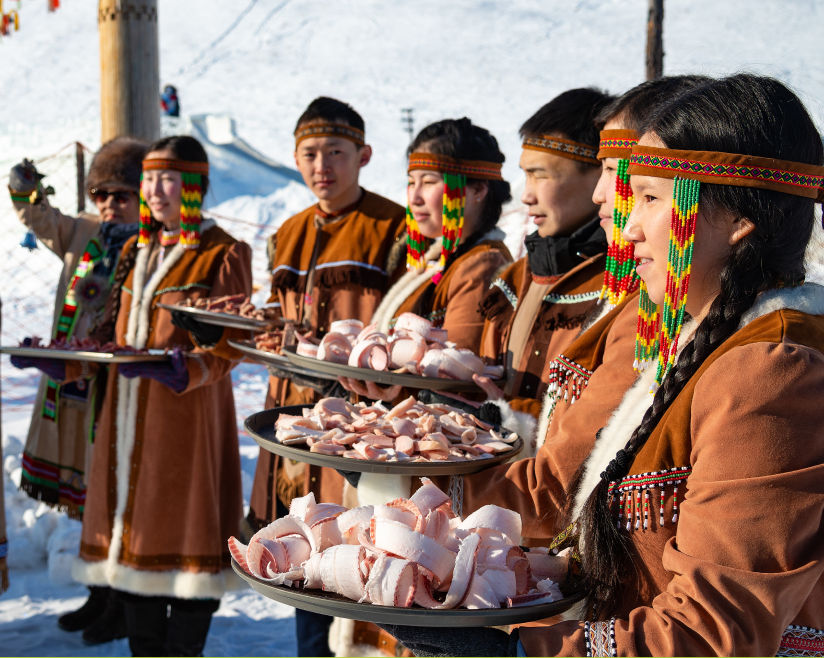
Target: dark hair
[(462, 140), (184, 147), (332, 110), (636, 105), (751, 115), (570, 115), (119, 160)]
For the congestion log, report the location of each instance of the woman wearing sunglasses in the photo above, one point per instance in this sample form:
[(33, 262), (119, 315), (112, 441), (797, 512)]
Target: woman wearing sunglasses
[(55, 460)]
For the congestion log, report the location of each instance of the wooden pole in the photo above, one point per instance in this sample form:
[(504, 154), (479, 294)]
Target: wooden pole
[(81, 176), (129, 69), (655, 39)]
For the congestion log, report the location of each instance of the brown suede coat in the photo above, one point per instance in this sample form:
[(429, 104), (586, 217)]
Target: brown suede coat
[(570, 299), (165, 492), (741, 567), (358, 258)]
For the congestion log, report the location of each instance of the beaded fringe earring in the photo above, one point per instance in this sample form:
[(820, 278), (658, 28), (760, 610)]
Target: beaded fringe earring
[(191, 200), (145, 221), (454, 204), (415, 244), (682, 238), (620, 278)]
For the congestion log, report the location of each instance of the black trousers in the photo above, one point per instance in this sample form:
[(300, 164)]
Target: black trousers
[(166, 626)]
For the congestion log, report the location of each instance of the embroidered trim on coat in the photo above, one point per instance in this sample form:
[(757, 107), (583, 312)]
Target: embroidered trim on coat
[(600, 638), (456, 493), (204, 369), (553, 298), (506, 290), (622, 493), (801, 641), (188, 286), (323, 266)]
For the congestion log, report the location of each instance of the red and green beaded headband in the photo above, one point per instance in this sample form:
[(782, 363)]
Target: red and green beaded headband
[(616, 143), (183, 166), (564, 147), (479, 169), (330, 130), (793, 178)]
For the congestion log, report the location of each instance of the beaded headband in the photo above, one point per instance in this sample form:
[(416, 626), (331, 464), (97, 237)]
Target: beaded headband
[(564, 147), (616, 143), (330, 130), (480, 169), (191, 194), (729, 169)]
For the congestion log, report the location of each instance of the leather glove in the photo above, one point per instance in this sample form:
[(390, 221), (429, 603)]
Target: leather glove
[(490, 413), (23, 177), (205, 335), (352, 477), (172, 373), (54, 368), (454, 641)]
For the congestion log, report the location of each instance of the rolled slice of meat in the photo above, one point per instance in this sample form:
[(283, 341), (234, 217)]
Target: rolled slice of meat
[(407, 352), (354, 521), (340, 571), (429, 497), (463, 572), (369, 354), (502, 582), (481, 595), (460, 364), (398, 539), (430, 365), (414, 323), (347, 327), (553, 567), (392, 582), (335, 348), (496, 518), (264, 550), (238, 552)]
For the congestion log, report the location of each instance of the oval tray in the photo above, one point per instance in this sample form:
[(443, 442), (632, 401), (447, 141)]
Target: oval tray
[(335, 605), (378, 376), (277, 360), (224, 319), (97, 357), (262, 428)]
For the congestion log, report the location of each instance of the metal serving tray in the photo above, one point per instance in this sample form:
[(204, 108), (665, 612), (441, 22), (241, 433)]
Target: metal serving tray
[(277, 360), (262, 428), (224, 319), (99, 357)]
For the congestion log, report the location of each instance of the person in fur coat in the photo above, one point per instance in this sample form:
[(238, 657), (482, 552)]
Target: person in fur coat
[(697, 516), (61, 434)]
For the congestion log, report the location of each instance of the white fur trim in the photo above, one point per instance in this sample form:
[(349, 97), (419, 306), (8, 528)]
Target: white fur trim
[(814, 255), (379, 489), (543, 425), (808, 298), (413, 280), (520, 422)]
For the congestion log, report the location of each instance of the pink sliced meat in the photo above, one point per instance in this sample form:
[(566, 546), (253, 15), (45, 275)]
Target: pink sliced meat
[(437, 334), (495, 518), (412, 322), (354, 521), (306, 347), (481, 595), (405, 444), (327, 448), (334, 347), (553, 567), (401, 408), (463, 572), (398, 539), (368, 452), (347, 327), (378, 440), (409, 507), (259, 557), (423, 593), (392, 582), (238, 552), (340, 571), (429, 497), (437, 526), (407, 352), (502, 582), (430, 364)]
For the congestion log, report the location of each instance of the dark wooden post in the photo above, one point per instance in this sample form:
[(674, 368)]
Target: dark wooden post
[(655, 39), (129, 69), (81, 177)]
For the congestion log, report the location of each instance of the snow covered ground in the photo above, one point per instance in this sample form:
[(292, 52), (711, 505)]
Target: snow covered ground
[(244, 72)]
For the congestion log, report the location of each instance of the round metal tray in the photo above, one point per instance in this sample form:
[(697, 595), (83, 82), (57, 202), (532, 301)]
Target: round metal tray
[(97, 357), (226, 320), (384, 377), (277, 360), (335, 605), (262, 428)]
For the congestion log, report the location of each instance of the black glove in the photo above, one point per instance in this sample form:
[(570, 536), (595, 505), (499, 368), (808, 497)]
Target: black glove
[(490, 413), (326, 388), (352, 477), (430, 397), (23, 177), (454, 641), (205, 335)]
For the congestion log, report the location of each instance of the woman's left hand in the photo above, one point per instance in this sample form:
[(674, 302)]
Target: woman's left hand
[(488, 387), (370, 390), (172, 373)]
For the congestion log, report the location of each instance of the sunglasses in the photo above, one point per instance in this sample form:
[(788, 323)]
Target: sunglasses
[(120, 196)]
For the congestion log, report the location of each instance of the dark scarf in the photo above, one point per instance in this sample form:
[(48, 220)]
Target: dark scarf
[(553, 256)]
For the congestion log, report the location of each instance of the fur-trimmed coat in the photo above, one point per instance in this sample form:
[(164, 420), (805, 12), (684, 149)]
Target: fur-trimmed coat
[(722, 506), (58, 452), (165, 490)]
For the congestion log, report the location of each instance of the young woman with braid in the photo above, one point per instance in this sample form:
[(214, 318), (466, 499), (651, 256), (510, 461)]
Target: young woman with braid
[(697, 517)]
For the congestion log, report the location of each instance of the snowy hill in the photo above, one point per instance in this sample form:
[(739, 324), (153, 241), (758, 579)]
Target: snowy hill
[(244, 72)]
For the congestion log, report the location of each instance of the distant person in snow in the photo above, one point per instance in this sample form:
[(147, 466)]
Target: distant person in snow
[(58, 446), (169, 102), (333, 261)]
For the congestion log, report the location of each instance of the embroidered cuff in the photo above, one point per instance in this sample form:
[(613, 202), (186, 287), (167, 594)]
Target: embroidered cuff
[(600, 638)]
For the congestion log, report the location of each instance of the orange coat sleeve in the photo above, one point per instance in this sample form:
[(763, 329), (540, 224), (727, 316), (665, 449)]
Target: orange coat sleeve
[(748, 556)]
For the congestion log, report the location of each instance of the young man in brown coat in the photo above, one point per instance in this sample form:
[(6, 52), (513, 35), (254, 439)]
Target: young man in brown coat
[(333, 261)]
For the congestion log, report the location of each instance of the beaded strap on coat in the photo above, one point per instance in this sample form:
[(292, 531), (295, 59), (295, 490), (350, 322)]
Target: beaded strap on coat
[(599, 637), (566, 378), (801, 641), (627, 493)]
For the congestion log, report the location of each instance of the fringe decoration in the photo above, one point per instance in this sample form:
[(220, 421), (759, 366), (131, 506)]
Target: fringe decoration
[(620, 278), (191, 200), (145, 221), (646, 336), (566, 378), (634, 505), (415, 244), (454, 205)]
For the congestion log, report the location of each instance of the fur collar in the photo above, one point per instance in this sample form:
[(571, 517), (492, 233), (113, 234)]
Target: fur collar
[(413, 280), (808, 298)]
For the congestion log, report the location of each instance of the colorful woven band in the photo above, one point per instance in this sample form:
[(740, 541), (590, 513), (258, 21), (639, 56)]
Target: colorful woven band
[(22, 197), (729, 169), (564, 147), (183, 166), (616, 143), (478, 169), (330, 130)]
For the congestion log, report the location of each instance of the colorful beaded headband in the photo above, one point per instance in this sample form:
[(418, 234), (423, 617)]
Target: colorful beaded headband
[(191, 194), (330, 130), (729, 169), (616, 143), (480, 169), (563, 147)]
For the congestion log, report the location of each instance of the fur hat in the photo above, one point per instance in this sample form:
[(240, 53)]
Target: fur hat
[(118, 162)]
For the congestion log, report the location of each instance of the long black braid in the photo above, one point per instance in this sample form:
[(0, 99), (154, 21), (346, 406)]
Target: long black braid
[(746, 114)]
